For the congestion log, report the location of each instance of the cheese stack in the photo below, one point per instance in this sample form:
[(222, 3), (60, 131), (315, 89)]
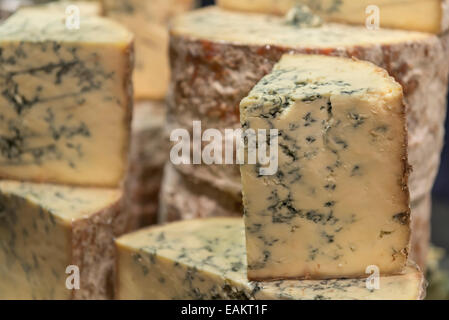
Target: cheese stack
[(205, 259), (334, 198), (217, 56), (65, 113), (149, 150)]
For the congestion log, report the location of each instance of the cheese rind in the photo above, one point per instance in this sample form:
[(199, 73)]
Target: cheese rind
[(205, 259), (182, 199), (338, 200), (65, 107), (148, 21), (426, 16), (148, 153), (46, 228)]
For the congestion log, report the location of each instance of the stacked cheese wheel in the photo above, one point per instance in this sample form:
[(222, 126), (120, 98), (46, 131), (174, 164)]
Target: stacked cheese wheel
[(65, 121), (217, 56), (335, 208), (149, 149)]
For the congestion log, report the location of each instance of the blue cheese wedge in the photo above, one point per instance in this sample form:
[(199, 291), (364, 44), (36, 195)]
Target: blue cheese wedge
[(44, 229), (148, 20), (339, 200), (66, 98), (205, 259), (420, 15)]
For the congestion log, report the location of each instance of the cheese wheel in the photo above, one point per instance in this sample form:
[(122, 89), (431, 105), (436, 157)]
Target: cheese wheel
[(148, 21), (420, 15), (218, 56)]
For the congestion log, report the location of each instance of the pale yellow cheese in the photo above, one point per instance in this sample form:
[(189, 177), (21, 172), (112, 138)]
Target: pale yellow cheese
[(420, 15), (148, 21), (205, 259), (226, 26), (46, 228), (65, 108), (338, 201), (85, 7)]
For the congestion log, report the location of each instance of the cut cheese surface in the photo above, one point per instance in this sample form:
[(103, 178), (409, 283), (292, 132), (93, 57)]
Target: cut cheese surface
[(338, 201), (148, 21), (259, 29), (65, 203), (205, 259), (46, 228), (65, 108), (420, 15)]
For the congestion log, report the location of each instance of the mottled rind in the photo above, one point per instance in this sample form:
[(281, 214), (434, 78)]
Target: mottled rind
[(182, 198), (149, 152)]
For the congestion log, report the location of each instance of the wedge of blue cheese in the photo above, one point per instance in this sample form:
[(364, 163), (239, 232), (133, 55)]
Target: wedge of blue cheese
[(44, 229), (205, 259), (420, 15), (338, 201), (66, 98)]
